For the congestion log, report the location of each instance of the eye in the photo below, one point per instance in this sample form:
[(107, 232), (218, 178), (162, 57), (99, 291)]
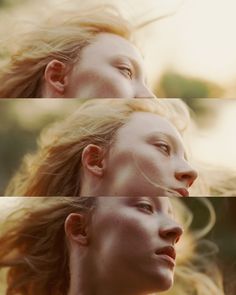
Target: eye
[(146, 206), (164, 147), (126, 71)]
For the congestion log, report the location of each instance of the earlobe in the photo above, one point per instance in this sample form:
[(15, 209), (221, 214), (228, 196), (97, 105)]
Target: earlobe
[(56, 78), (93, 159), (76, 229)]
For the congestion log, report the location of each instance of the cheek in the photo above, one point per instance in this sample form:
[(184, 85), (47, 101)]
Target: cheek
[(141, 161), (95, 83), (121, 234), (154, 165)]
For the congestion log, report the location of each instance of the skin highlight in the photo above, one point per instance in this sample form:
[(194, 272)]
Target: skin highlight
[(122, 224), (106, 154), (140, 161), (110, 66)]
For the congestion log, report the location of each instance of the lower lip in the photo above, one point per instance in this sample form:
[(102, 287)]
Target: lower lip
[(183, 192), (169, 260)]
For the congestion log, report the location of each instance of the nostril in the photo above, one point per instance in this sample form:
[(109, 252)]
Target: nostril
[(172, 233), (187, 176)]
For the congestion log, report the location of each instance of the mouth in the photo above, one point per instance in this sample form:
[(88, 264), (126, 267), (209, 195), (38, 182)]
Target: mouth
[(168, 254), (182, 191)]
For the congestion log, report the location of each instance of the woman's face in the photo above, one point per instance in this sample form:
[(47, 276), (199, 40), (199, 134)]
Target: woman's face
[(147, 158), (110, 67), (133, 243)]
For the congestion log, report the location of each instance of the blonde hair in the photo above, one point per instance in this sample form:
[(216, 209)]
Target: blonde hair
[(55, 170), (60, 37), (35, 250)]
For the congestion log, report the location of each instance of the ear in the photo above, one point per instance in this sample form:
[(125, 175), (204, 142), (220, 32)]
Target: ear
[(56, 78), (93, 159), (76, 228)]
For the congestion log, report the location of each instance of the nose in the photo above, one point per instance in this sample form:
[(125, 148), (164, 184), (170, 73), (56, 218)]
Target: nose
[(144, 92), (171, 231), (186, 174)]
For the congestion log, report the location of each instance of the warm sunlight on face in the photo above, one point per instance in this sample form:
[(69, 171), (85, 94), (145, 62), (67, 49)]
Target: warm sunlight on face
[(136, 239), (148, 158)]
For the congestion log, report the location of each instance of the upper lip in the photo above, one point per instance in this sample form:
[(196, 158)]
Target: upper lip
[(182, 191), (168, 250)]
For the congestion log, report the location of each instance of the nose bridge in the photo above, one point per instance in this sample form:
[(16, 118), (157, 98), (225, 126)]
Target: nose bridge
[(185, 172), (170, 230), (143, 91)]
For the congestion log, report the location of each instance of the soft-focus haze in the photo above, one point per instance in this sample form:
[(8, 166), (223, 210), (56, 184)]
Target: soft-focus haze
[(197, 40), (213, 142)]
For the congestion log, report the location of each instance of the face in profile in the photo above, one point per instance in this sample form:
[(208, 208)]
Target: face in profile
[(135, 239), (147, 157), (109, 67)]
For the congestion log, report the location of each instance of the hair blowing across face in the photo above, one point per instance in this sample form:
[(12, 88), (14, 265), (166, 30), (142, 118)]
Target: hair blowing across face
[(35, 251), (56, 169), (60, 37)]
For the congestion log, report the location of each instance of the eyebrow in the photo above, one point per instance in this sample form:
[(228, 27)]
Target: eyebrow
[(171, 139)]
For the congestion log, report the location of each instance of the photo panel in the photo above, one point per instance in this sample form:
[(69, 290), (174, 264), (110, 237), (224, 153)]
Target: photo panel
[(161, 146), (167, 244), (187, 45)]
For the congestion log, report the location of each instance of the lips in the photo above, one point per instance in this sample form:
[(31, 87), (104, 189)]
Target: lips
[(169, 251), (182, 191)]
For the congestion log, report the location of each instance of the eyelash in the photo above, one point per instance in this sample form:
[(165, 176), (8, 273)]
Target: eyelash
[(126, 71), (165, 148), (146, 207)]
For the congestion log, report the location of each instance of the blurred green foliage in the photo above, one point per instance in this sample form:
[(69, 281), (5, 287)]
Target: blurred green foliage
[(173, 84), (10, 3), (21, 122), (176, 85)]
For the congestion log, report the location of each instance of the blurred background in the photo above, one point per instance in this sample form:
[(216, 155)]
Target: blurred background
[(212, 141), (190, 51), (222, 234)]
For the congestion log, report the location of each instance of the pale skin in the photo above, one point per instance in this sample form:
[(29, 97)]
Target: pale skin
[(127, 247), (147, 157), (109, 67)]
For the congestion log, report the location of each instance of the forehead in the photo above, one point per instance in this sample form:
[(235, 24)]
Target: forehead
[(108, 45), (142, 124)]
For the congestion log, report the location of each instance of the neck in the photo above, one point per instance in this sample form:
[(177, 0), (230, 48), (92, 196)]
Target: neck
[(92, 187), (86, 279)]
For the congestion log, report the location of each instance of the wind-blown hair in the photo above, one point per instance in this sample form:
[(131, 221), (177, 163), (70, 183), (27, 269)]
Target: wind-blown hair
[(35, 251), (56, 169), (62, 37)]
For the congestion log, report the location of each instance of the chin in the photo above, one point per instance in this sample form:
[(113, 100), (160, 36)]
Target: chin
[(158, 280), (166, 283), (164, 280)]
